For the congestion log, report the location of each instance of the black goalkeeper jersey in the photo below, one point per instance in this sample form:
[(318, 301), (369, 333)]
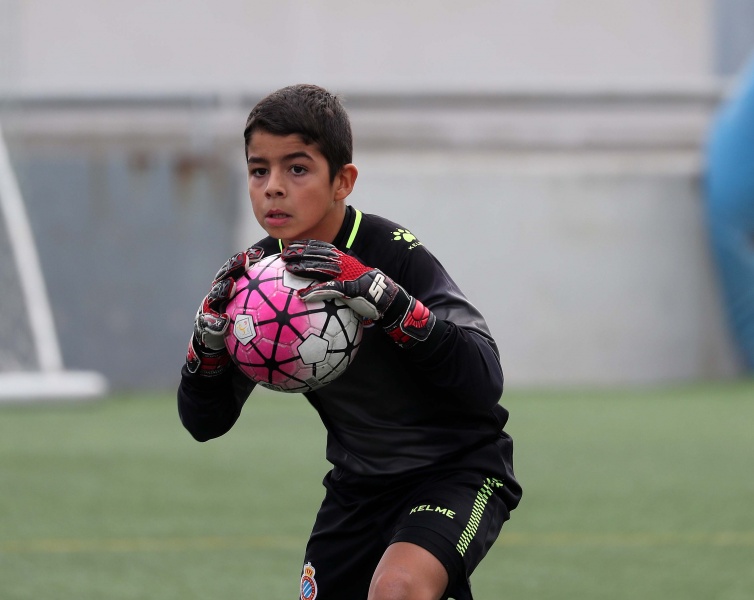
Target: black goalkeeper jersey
[(394, 409)]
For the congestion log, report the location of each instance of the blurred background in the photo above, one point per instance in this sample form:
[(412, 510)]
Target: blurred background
[(550, 153)]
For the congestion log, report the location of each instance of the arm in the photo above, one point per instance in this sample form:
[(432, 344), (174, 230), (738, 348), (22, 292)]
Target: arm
[(368, 291), (466, 359), (450, 345), (208, 408), (462, 361), (212, 391)]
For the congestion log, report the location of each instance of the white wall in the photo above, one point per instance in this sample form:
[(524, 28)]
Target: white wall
[(95, 46), (594, 274)]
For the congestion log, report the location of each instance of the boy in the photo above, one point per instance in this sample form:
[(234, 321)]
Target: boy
[(422, 476)]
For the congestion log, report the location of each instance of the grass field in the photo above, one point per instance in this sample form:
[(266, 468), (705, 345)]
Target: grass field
[(628, 494)]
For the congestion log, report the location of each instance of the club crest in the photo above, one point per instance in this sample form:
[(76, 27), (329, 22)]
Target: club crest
[(308, 584)]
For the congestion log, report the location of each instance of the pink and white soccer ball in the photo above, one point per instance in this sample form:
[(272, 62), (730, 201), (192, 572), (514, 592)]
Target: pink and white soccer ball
[(282, 342)]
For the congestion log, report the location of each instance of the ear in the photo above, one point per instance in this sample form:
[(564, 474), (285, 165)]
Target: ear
[(344, 181)]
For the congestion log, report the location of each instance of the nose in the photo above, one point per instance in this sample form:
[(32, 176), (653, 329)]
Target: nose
[(274, 187)]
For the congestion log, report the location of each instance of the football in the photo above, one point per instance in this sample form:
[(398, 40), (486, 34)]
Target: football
[(282, 342)]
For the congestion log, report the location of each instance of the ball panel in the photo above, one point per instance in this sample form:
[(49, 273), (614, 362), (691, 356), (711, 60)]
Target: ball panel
[(313, 349)]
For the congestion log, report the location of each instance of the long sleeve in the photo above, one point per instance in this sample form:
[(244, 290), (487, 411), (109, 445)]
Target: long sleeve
[(462, 362), (210, 406), (460, 355)]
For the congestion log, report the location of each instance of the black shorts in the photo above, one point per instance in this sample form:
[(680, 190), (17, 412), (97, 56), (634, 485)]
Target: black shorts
[(455, 511)]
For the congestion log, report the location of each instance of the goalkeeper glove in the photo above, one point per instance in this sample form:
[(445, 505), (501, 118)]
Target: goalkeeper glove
[(207, 354), (368, 291)]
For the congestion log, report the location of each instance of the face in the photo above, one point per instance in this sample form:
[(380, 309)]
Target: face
[(290, 188)]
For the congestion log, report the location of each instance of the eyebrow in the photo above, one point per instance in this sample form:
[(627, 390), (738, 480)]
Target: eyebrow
[(292, 156)]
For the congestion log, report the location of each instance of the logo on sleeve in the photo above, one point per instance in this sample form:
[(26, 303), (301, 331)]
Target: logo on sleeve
[(408, 237)]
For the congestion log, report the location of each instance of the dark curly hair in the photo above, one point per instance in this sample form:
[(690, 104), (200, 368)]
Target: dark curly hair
[(310, 112)]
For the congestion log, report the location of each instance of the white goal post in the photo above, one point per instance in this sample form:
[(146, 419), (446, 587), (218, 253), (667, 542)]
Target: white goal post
[(31, 364)]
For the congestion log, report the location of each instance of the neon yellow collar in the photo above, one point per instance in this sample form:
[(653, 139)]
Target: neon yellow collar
[(351, 238)]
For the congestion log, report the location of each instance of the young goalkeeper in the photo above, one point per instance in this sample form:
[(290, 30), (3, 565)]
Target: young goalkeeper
[(422, 478)]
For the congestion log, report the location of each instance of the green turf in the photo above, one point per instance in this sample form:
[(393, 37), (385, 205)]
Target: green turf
[(633, 494)]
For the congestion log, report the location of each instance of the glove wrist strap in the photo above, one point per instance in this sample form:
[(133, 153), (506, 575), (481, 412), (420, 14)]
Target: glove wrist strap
[(205, 362), (410, 321)]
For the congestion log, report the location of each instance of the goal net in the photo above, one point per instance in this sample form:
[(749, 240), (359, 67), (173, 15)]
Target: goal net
[(31, 365)]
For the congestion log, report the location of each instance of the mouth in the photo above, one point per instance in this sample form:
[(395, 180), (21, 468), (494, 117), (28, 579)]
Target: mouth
[(276, 217)]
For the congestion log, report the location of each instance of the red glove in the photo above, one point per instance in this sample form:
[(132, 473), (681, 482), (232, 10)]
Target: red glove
[(207, 354), (368, 291)]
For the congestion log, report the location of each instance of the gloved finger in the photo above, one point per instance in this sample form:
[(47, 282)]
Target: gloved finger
[(210, 328), (309, 248), (335, 291), (236, 265), (363, 307), (255, 254), (213, 322), (222, 291), (321, 270), (321, 291)]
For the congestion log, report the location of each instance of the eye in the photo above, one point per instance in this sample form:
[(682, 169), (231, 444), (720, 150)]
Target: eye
[(257, 172), (298, 170)]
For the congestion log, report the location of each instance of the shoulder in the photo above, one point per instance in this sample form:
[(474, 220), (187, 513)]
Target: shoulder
[(384, 241), (395, 249), (395, 231)]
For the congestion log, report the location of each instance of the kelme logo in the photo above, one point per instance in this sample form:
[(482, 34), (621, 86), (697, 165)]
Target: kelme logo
[(406, 236)]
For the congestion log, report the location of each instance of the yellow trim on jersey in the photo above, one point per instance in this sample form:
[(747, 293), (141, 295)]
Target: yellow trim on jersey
[(355, 229), (351, 238)]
